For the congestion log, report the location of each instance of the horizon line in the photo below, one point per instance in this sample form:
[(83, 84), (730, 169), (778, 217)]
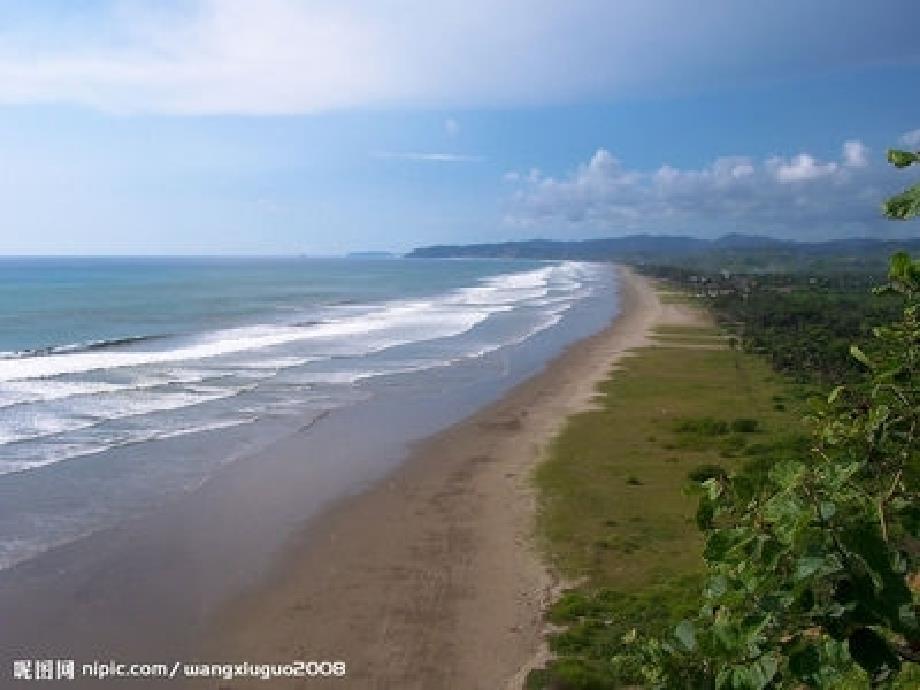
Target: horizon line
[(392, 253)]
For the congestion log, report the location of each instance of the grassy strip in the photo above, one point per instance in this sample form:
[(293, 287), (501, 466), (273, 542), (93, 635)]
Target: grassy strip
[(617, 510), (614, 502)]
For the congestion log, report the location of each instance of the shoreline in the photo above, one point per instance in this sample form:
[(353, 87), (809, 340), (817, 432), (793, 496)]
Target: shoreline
[(431, 578), (148, 587)]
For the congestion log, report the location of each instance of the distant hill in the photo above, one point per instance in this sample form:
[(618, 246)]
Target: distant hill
[(735, 251)]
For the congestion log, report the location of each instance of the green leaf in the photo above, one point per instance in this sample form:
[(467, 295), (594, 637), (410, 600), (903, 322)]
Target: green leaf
[(804, 660), (686, 635), (877, 587), (904, 272), (808, 566), (827, 510), (713, 488), (755, 676), (904, 205), (899, 264), (902, 159), (871, 651), (769, 666), (860, 356), (717, 546), (717, 587)]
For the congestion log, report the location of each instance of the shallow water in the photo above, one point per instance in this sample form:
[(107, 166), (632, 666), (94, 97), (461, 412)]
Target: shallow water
[(126, 381)]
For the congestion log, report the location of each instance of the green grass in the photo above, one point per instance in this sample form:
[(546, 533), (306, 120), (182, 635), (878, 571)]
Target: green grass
[(690, 331), (675, 297), (617, 507), (614, 505), (618, 503)]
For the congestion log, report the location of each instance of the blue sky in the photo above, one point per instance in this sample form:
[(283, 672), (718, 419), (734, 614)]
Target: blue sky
[(277, 126)]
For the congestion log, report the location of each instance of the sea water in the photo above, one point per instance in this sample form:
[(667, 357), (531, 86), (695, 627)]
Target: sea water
[(99, 355)]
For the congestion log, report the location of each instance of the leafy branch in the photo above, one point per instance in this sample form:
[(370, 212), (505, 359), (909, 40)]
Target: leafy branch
[(906, 204), (813, 574)]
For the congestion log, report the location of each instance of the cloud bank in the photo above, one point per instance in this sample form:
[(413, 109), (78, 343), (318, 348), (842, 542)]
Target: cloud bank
[(291, 56), (430, 157), (800, 197)]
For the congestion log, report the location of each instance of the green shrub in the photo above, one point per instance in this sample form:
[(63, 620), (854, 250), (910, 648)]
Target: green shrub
[(708, 471), (705, 426), (730, 446), (745, 426), (600, 626), (810, 565)]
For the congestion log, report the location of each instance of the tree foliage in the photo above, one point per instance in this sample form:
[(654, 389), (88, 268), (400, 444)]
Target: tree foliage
[(804, 323), (807, 331), (906, 204), (812, 560), (812, 572)]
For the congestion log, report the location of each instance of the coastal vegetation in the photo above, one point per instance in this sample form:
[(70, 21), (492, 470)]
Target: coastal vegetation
[(752, 254), (804, 570), (804, 323), (619, 509)]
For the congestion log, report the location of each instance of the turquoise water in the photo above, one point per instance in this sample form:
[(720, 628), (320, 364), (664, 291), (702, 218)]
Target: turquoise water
[(103, 356), (66, 303), (96, 353)]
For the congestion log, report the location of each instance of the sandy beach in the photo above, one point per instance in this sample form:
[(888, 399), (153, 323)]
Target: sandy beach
[(432, 579)]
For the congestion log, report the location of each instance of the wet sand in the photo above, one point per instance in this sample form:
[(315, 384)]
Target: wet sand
[(431, 578), (147, 589)]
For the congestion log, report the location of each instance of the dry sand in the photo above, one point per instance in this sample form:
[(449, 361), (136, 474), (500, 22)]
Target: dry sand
[(432, 579)]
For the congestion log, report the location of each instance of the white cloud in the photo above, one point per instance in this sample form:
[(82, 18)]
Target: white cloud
[(911, 138), (855, 154), (288, 56), (801, 167), (800, 196), (430, 157)]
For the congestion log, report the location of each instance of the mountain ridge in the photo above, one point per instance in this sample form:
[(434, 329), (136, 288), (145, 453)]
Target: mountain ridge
[(754, 252)]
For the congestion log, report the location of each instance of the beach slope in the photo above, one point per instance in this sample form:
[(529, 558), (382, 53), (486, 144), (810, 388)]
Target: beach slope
[(431, 579)]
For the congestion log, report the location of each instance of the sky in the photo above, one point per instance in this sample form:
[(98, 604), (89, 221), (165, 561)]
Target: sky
[(322, 127)]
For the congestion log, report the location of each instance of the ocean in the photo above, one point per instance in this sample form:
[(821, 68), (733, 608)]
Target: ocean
[(103, 360)]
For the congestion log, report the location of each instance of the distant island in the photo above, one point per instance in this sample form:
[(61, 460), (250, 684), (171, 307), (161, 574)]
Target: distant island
[(734, 251)]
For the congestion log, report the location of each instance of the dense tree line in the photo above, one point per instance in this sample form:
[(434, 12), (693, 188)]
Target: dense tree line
[(808, 333), (805, 323)]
